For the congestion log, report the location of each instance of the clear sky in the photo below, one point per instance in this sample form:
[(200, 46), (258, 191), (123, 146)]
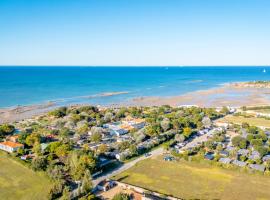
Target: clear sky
[(134, 32)]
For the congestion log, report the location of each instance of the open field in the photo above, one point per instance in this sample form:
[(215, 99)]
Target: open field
[(254, 121), (196, 181), (19, 182)]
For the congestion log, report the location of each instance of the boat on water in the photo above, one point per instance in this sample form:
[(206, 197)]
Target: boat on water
[(264, 71)]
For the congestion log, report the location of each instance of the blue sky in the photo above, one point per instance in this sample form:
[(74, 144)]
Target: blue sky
[(134, 32)]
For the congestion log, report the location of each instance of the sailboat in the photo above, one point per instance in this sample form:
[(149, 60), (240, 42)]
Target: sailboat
[(264, 71)]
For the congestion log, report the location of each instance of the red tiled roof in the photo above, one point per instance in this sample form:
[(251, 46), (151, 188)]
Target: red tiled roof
[(11, 144)]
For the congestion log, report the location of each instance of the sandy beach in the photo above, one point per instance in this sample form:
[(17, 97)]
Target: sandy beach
[(235, 95), (12, 114)]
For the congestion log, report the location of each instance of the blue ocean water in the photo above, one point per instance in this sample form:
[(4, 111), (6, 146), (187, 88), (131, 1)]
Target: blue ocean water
[(32, 85)]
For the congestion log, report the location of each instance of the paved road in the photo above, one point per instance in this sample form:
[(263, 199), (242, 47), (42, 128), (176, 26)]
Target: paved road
[(126, 166)]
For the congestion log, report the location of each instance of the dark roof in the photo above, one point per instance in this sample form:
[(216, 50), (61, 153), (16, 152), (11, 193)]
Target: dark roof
[(209, 156)]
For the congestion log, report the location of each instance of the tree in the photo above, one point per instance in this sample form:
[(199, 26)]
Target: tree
[(86, 183), (62, 150), (239, 141), (37, 148), (225, 110), (121, 196), (133, 149), (22, 137), (32, 139), (83, 129), (179, 138), (39, 163), (256, 142), (6, 129), (56, 172), (102, 148), (108, 117), (96, 137), (252, 129), (245, 125), (56, 189), (65, 194), (58, 113), (65, 132), (123, 146), (187, 132), (262, 150), (165, 124), (206, 121)]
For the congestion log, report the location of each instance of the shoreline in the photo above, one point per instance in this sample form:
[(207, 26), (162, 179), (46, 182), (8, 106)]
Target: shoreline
[(235, 94)]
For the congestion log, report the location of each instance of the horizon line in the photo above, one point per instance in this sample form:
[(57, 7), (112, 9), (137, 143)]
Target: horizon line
[(134, 65)]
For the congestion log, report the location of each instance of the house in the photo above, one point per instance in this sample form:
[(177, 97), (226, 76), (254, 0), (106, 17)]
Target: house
[(243, 152), (13, 138), (225, 160), (209, 156), (224, 153), (257, 167), (133, 122), (255, 155), (105, 185), (10, 146), (115, 129), (230, 148), (266, 158), (239, 163)]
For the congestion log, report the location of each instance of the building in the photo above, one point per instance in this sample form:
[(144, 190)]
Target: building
[(224, 153), (257, 167), (13, 138), (133, 122), (10, 146), (243, 152), (239, 163), (266, 158), (115, 129), (225, 160), (255, 155), (209, 156)]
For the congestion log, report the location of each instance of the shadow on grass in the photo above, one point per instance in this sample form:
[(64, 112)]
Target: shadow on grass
[(122, 178)]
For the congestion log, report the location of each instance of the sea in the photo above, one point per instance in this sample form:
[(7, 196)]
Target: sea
[(29, 85)]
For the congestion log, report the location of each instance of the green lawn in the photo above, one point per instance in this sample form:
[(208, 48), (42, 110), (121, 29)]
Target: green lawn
[(254, 121), (190, 180), (20, 183)]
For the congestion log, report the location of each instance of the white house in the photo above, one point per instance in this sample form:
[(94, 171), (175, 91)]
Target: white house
[(10, 146)]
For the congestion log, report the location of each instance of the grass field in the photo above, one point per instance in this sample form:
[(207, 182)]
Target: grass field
[(20, 183), (190, 180), (254, 121)]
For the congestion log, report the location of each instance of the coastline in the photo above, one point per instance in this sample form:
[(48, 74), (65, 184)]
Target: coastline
[(228, 94)]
